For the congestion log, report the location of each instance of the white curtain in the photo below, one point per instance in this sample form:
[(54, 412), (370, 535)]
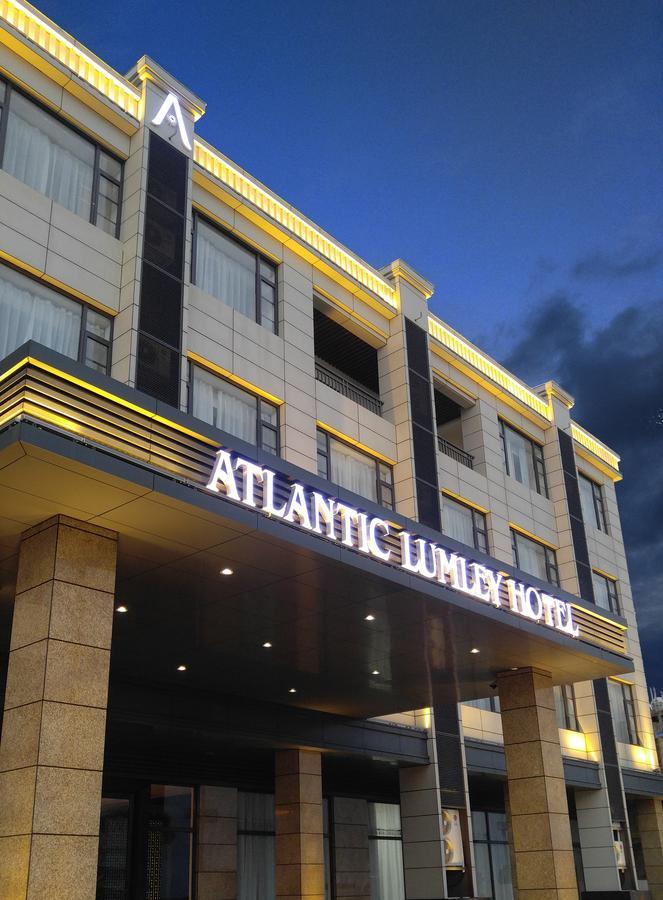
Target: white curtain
[(224, 405), (386, 852), (601, 597), (225, 270), (457, 522), (519, 452), (29, 311), (616, 695), (48, 156), (256, 864), (353, 470), (531, 557)]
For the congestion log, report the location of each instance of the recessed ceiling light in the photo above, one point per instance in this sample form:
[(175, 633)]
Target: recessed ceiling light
[(514, 668), (292, 691), (181, 668), (226, 571), (375, 672), (475, 650), (370, 618), (121, 609), (267, 645)]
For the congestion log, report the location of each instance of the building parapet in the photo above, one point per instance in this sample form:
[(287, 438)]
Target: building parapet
[(598, 450)]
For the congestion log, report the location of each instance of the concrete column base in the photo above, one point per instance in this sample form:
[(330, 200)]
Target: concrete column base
[(649, 813)]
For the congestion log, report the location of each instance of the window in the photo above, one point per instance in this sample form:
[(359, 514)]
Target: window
[(488, 704), (523, 459), (235, 274), (256, 862), (54, 159), (534, 558), (226, 406), (591, 500), (385, 849), (30, 311), (464, 524), (358, 472), (605, 592), (565, 707), (113, 854), (622, 706), (491, 855), (169, 842)]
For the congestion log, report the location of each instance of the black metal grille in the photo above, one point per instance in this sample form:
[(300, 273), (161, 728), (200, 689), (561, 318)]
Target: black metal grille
[(461, 456), (337, 382)]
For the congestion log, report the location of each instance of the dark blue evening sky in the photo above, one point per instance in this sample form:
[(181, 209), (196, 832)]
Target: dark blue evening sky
[(512, 152)]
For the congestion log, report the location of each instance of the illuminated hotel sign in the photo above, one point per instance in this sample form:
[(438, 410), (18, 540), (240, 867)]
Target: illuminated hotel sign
[(260, 488), (170, 110)]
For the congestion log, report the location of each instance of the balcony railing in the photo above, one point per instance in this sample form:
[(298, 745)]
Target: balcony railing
[(346, 386), (455, 452)]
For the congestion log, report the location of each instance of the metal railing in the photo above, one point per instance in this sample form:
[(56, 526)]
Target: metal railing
[(455, 452), (334, 379)]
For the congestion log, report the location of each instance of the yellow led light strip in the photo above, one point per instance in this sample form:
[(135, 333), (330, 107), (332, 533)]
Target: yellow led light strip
[(243, 185), (487, 366), (589, 442), (44, 34)]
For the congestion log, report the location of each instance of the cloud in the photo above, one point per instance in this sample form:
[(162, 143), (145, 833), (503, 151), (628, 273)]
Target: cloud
[(615, 374), (624, 263)]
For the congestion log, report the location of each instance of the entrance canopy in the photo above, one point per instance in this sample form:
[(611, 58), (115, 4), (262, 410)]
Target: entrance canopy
[(251, 604)]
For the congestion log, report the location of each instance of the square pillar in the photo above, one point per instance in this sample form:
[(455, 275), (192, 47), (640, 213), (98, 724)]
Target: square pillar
[(352, 865), (216, 861), (300, 863), (649, 814), (538, 811), (52, 748)]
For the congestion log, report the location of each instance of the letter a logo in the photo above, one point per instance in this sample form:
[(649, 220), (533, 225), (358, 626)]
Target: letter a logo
[(175, 117)]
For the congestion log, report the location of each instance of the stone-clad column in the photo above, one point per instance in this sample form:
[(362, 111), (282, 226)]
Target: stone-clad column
[(539, 816), (352, 865), (300, 865), (216, 870), (52, 749), (650, 825)]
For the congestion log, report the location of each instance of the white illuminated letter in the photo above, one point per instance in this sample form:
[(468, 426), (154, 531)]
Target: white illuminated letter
[(548, 607), (493, 582), (296, 507), (348, 516), (373, 545), (223, 473), (479, 588), (171, 102), (516, 595), (446, 567), (268, 495), (323, 511), (528, 608), (252, 476)]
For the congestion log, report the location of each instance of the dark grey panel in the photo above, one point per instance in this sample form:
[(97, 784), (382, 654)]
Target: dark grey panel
[(642, 784), (488, 759)]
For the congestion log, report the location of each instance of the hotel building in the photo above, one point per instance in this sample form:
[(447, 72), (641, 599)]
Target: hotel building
[(302, 595)]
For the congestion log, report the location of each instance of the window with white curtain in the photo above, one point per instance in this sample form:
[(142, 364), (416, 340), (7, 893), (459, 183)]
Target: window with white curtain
[(534, 558), (565, 707), (523, 459), (230, 408), (30, 311), (605, 592), (464, 523), (356, 471), (385, 846), (256, 862), (54, 159), (492, 855), (591, 500), (234, 273), (622, 706)]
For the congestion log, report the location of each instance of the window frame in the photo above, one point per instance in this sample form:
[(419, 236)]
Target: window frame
[(538, 461), (600, 521), (569, 708), (83, 334), (260, 257), (382, 486), (261, 424), (477, 516), (614, 602), (630, 715), (5, 107), (552, 568), (489, 841)]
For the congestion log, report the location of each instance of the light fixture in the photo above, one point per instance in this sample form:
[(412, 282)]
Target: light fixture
[(292, 691), (226, 571), (121, 609), (475, 650), (181, 668), (267, 645), (375, 672), (369, 618), (514, 668)]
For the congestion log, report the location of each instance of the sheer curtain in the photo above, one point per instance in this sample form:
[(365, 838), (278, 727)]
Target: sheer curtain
[(352, 470), (225, 270), (531, 557), (223, 405), (457, 522), (386, 852), (616, 695), (519, 451), (48, 156), (256, 865), (29, 311)]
